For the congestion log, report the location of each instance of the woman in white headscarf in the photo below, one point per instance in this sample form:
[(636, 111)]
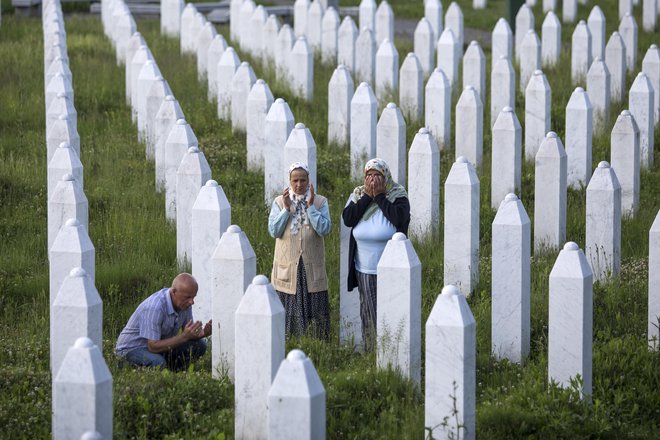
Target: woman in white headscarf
[(298, 220)]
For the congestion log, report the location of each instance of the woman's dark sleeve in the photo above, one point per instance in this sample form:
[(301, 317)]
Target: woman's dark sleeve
[(353, 212), (397, 212)]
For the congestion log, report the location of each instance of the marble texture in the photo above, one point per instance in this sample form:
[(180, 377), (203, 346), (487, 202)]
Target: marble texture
[(502, 40), (259, 350), (625, 160), (180, 139), (454, 22), (158, 90), (82, 393), (348, 33), (603, 225), (461, 226), (649, 15), (62, 104), (506, 155), (64, 161), (450, 367), (285, 40), (570, 319), (580, 52), (384, 23), (530, 58), (470, 126), (537, 113), (134, 43), (386, 70), (330, 36), (257, 23), (504, 95), (654, 285), (596, 24), (148, 75), (302, 70), (550, 194), (550, 40), (269, 36), (524, 23), (300, 11), (142, 55), (211, 216), (278, 125), (168, 113), (213, 55), (434, 14), (367, 14), (569, 11), (411, 89), (628, 31), (340, 93), (226, 70), (300, 147), (651, 67), (67, 201), (241, 84), (350, 324), (578, 138), (365, 56), (259, 101), (641, 100), (615, 59), (233, 266), (448, 55), (204, 39), (170, 17), (424, 45), (62, 130), (511, 281), (185, 31), (424, 185), (474, 69), (296, 400), (58, 84), (391, 141), (598, 89), (437, 111), (363, 129), (399, 314)]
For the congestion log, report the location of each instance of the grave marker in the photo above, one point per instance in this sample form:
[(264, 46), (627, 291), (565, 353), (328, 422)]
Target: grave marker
[(550, 194), (506, 156), (391, 141), (437, 112), (424, 185)]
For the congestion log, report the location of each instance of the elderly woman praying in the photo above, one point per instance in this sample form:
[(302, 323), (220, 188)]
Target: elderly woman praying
[(298, 220)]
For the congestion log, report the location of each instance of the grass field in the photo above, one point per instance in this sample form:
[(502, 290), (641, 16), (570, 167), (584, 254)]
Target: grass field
[(136, 255)]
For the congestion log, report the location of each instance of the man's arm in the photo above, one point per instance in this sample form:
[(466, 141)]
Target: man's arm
[(192, 330)]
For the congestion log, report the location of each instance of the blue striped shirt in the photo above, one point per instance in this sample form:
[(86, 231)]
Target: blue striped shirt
[(154, 319)]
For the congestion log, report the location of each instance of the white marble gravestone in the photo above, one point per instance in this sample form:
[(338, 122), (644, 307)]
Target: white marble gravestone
[(206, 36), (296, 400), (411, 89), (245, 40), (448, 55), (64, 161), (386, 70), (451, 367), (148, 75), (470, 126), (384, 23), (625, 160), (524, 23), (62, 104), (58, 84), (82, 393), (225, 72), (569, 11), (391, 141), (134, 43), (615, 59), (158, 90), (641, 101), (650, 15), (530, 58), (511, 281), (504, 95), (142, 55), (506, 154), (67, 201), (654, 285), (348, 33), (625, 7), (461, 234), (603, 225), (578, 137), (570, 319), (72, 248), (258, 103), (365, 56), (367, 14), (234, 19), (537, 113), (651, 67), (628, 31), (330, 36), (549, 5), (424, 185), (300, 11), (168, 113), (580, 52), (474, 69), (437, 111), (213, 55), (211, 216), (256, 26), (180, 139), (170, 17), (596, 24), (502, 40), (278, 125), (340, 93), (550, 40), (550, 194), (259, 350), (300, 147), (269, 36), (285, 40), (58, 65), (350, 324), (77, 311), (302, 69), (434, 14), (185, 28), (424, 45), (399, 314), (241, 84), (233, 266), (454, 21), (598, 89), (363, 128)]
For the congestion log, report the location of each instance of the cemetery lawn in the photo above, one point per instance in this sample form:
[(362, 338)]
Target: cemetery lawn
[(136, 255)]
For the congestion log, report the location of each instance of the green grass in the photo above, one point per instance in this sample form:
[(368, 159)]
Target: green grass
[(135, 255)]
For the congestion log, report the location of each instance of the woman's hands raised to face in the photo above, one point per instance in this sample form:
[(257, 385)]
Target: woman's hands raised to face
[(374, 183)]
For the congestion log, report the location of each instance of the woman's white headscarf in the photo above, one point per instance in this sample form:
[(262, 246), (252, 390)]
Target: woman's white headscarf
[(298, 201)]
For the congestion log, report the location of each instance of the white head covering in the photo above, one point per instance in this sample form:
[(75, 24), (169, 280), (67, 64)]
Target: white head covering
[(298, 201)]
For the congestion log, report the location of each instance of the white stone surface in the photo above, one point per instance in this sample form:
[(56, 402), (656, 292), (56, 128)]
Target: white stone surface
[(437, 111), (625, 160), (350, 324), (628, 31), (550, 194), (64, 161), (384, 23), (502, 40), (134, 43), (62, 130), (598, 88), (549, 5), (62, 104), (67, 201), (454, 21), (365, 56), (615, 59), (215, 51), (570, 319), (578, 137), (142, 55), (302, 69), (300, 11), (211, 216), (530, 58), (625, 6), (363, 128), (448, 55), (185, 28), (206, 36), (72, 248), (148, 75), (550, 40), (348, 33), (285, 40), (269, 36), (399, 314), (241, 84), (596, 24), (300, 147), (580, 52), (258, 103), (391, 141), (470, 126), (461, 233), (233, 266), (424, 185), (524, 24), (180, 139), (58, 84), (511, 281), (451, 367), (603, 225), (434, 14), (77, 311), (259, 350), (474, 69), (168, 113), (234, 18), (257, 23), (654, 285), (641, 100), (367, 14), (340, 93), (245, 40), (157, 92), (649, 15), (58, 65), (386, 71), (82, 393), (226, 70), (170, 17), (506, 154), (504, 95), (569, 11), (651, 67), (330, 36), (192, 174), (537, 113), (411, 89), (424, 45), (296, 400), (278, 126)]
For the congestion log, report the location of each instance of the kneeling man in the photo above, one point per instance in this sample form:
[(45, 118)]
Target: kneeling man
[(161, 332)]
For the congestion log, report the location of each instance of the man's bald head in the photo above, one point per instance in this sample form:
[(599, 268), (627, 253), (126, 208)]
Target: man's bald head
[(185, 282)]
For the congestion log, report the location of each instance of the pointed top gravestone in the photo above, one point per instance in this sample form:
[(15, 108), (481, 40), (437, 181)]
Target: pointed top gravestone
[(580, 52), (625, 160), (278, 125), (67, 201), (524, 23), (424, 185), (340, 93), (651, 67), (596, 24), (506, 156), (537, 113), (454, 21), (386, 70), (269, 39), (437, 111), (424, 45), (550, 39), (615, 58), (448, 55), (300, 11), (64, 161), (550, 194), (168, 113), (579, 132), (474, 69), (470, 126), (300, 147), (502, 40), (391, 141), (302, 69), (258, 103), (215, 51), (411, 89), (226, 70), (363, 128), (384, 22), (530, 58), (181, 138), (348, 33), (433, 13), (641, 102), (241, 84), (367, 14), (329, 36), (628, 31), (365, 55), (598, 89)]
